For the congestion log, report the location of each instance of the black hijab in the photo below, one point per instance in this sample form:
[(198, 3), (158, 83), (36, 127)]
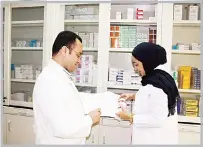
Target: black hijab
[(151, 56)]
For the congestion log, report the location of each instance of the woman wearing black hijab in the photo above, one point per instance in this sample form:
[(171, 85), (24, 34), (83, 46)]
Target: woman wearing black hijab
[(154, 114)]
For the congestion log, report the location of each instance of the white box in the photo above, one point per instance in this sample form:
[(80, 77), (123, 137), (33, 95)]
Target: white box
[(178, 12), (18, 76), (130, 12), (118, 16), (95, 40), (193, 12)]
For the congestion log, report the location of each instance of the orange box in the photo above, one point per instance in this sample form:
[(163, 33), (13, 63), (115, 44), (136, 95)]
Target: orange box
[(112, 34), (114, 42), (112, 28), (117, 28), (117, 34)]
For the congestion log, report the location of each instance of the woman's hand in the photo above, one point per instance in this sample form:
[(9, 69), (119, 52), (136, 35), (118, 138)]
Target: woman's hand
[(127, 96), (125, 116)]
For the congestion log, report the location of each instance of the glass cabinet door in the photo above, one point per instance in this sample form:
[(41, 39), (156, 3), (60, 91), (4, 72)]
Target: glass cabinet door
[(130, 25), (26, 52), (83, 19)]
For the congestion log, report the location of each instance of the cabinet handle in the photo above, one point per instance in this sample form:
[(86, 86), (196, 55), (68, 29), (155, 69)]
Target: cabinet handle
[(9, 125), (104, 139), (92, 138)]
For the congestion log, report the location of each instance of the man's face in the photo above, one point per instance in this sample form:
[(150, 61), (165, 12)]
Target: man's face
[(73, 56)]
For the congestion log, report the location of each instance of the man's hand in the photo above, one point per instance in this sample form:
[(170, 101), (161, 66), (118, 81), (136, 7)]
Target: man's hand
[(127, 96), (95, 115)]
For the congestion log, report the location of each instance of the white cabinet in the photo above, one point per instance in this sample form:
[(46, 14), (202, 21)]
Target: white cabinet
[(189, 134), (18, 126), (20, 130), (4, 129), (114, 135), (94, 136), (110, 131)]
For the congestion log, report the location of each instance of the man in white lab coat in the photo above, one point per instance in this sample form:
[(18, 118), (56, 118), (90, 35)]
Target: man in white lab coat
[(59, 116)]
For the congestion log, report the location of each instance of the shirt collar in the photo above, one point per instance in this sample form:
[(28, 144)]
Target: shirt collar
[(61, 68)]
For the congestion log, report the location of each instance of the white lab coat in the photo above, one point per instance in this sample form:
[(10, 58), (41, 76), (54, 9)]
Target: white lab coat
[(151, 124), (59, 116)]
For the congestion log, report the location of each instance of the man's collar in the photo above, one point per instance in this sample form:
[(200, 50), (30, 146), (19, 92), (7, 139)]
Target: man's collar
[(60, 67)]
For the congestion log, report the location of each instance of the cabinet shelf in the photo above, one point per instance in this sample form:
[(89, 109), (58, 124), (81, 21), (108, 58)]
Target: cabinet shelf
[(188, 119), (130, 87), (28, 23), (23, 81), (195, 91), (81, 22), (122, 50), (85, 85), (186, 52), (28, 48), (90, 49), (133, 22), (21, 103), (187, 23)]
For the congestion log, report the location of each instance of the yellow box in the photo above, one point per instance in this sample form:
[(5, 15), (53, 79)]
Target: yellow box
[(191, 108), (191, 114), (191, 102), (184, 77)]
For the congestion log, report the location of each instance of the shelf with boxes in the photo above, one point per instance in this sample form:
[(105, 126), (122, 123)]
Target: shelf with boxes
[(83, 19), (186, 60), (129, 26), (26, 53)]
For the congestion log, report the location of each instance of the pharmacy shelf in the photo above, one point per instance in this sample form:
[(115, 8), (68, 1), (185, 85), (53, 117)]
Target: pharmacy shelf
[(23, 81), (195, 91), (81, 22), (189, 23), (188, 119), (133, 22), (186, 52), (85, 85), (28, 48), (28, 23), (123, 50), (129, 87)]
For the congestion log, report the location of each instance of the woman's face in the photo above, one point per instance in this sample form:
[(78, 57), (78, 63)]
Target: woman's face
[(138, 66)]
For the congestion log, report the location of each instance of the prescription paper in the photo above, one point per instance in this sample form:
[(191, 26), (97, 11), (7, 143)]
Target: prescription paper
[(107, 102)]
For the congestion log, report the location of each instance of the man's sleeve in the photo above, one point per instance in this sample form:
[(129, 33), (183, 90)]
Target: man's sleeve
[(60, 111)]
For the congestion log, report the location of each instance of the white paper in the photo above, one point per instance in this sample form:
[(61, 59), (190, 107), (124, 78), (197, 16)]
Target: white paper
[(107, 102)]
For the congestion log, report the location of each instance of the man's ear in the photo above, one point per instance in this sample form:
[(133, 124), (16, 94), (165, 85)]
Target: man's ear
[(64, 50)]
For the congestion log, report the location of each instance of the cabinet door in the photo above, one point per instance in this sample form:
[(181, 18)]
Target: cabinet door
[(189, 134), (4, 129), (20, 129), (114, 135), (189, 138), (94, 136)]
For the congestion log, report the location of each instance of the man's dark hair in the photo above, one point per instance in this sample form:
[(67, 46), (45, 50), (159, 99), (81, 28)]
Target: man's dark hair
[(64, 38)]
